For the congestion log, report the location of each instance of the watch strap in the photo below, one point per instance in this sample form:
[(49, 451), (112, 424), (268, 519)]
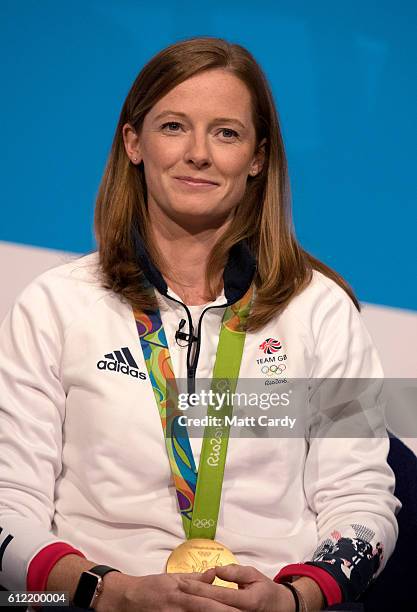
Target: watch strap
[(102, 570)]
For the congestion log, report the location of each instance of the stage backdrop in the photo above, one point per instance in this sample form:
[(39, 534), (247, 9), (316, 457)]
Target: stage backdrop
[(343, 78)]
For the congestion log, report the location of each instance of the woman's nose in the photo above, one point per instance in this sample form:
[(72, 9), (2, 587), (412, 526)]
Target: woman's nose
[(197, 150)]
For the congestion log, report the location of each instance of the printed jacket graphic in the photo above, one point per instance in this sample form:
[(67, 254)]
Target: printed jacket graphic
[(83, 459)]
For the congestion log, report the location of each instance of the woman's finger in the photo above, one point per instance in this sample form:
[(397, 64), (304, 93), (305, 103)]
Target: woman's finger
[(242, 574), (196, 575), (230, 597), (207, 576)]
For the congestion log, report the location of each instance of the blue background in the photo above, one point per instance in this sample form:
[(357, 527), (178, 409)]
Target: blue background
[(343, 76)]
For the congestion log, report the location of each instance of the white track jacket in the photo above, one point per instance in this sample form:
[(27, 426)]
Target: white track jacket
[(83, 458)]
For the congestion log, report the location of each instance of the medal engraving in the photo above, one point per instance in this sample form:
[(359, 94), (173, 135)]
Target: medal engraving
[(199, 555)]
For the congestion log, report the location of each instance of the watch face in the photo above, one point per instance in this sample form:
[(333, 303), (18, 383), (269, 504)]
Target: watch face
[(86, 589), (90, 583)]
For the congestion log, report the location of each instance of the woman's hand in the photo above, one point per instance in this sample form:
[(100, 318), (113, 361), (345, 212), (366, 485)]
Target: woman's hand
[(256, 593), (157, 593)]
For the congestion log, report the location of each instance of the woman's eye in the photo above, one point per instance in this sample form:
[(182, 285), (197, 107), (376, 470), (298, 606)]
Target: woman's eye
[(175, 126), (171, 124), (229, 133)]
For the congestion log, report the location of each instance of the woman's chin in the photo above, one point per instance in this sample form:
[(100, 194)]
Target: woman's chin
[(200, 216)]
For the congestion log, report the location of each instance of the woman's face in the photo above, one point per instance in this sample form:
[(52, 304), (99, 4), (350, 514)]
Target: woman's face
[(202, 130)]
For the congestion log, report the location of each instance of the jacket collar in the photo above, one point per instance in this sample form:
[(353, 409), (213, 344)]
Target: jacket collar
[(237, 275)]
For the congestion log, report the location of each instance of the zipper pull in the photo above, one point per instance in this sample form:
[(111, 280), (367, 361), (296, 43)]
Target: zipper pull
[(179, 335)]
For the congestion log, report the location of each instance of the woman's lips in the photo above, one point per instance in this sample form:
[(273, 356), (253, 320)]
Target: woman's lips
[(195, 184)]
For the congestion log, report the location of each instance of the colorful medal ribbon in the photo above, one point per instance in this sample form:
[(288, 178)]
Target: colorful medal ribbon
[(198, 493)]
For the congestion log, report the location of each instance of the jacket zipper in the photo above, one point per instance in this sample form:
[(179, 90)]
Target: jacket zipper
[(192, 364)]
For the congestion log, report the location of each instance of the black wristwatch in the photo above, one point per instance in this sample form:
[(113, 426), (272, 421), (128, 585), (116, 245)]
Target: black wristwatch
[(90, 586)]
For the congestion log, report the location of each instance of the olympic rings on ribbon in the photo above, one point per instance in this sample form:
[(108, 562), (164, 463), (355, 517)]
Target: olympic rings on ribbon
[(222, 384), (203, 523)]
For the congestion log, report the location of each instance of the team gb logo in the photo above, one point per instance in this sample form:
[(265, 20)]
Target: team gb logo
[(270, 345)]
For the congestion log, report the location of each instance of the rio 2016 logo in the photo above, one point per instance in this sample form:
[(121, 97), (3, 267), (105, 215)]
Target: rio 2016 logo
[(216, 446)]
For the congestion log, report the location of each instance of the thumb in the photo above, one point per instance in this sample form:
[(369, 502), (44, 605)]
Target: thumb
[(209, 575), (242, 574)]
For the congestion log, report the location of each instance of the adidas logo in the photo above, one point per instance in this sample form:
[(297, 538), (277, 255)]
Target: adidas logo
[(121, 361)]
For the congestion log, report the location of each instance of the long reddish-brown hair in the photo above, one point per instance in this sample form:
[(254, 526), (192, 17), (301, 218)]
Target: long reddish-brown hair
[(263, 217)]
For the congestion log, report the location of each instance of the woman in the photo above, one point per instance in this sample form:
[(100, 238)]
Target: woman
[(198, 275)]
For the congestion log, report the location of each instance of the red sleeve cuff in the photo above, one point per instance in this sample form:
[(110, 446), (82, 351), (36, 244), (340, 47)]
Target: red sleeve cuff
[(328, 585), (43, 562)]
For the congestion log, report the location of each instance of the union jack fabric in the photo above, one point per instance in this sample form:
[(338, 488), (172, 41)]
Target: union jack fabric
[(352, 558)]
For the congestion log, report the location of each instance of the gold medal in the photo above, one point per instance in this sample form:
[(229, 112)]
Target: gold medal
[(199, 555)]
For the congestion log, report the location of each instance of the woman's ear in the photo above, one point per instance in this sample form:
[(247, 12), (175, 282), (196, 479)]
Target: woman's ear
[(258, 159), (132, 145)]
